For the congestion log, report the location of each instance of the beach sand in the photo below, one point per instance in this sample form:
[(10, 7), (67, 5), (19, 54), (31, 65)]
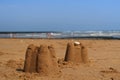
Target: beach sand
[(104, 60)]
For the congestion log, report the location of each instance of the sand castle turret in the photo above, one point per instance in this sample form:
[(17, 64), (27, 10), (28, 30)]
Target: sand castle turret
[(41, 59), (31, 59), (54, 58), (76, 53), (70, 52), (84, 54), (47, 61)]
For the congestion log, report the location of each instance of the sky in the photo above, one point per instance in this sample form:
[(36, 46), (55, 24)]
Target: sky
[(58, 15)]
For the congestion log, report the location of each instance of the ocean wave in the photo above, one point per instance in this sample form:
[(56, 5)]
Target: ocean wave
[(60, 34)]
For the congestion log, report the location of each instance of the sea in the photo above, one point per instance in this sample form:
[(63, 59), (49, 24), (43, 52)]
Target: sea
[(79, 32)]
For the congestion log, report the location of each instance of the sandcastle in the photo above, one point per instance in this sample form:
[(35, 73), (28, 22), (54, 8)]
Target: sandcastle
[(76, 53), (41, 60)]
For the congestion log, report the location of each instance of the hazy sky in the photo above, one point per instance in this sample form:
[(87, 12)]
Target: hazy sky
[(18, 15)]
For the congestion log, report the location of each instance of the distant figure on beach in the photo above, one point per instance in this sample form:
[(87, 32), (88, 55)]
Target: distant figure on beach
[(48, 35)]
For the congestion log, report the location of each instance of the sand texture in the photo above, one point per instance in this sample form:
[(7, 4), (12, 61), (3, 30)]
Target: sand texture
[(102, 58)]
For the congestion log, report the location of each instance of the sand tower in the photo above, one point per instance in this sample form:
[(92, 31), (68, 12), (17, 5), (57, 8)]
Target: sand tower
[(41, 59), (44, 60), (31, 59), (53, 56), (76, 53), (84, 54), (70, 52)]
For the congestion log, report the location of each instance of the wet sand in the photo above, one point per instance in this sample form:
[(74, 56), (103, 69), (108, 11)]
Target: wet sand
[(104, 60)]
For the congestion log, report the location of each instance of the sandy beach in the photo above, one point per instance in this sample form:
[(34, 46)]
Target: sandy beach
[(104, 60)]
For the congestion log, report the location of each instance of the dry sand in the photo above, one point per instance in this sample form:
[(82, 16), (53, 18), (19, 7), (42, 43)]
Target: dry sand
[(104, 56)]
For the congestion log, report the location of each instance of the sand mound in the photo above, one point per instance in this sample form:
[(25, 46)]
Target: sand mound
[(11, 63), (2, 53), (18, 64), (41, 59), (76, 53)]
